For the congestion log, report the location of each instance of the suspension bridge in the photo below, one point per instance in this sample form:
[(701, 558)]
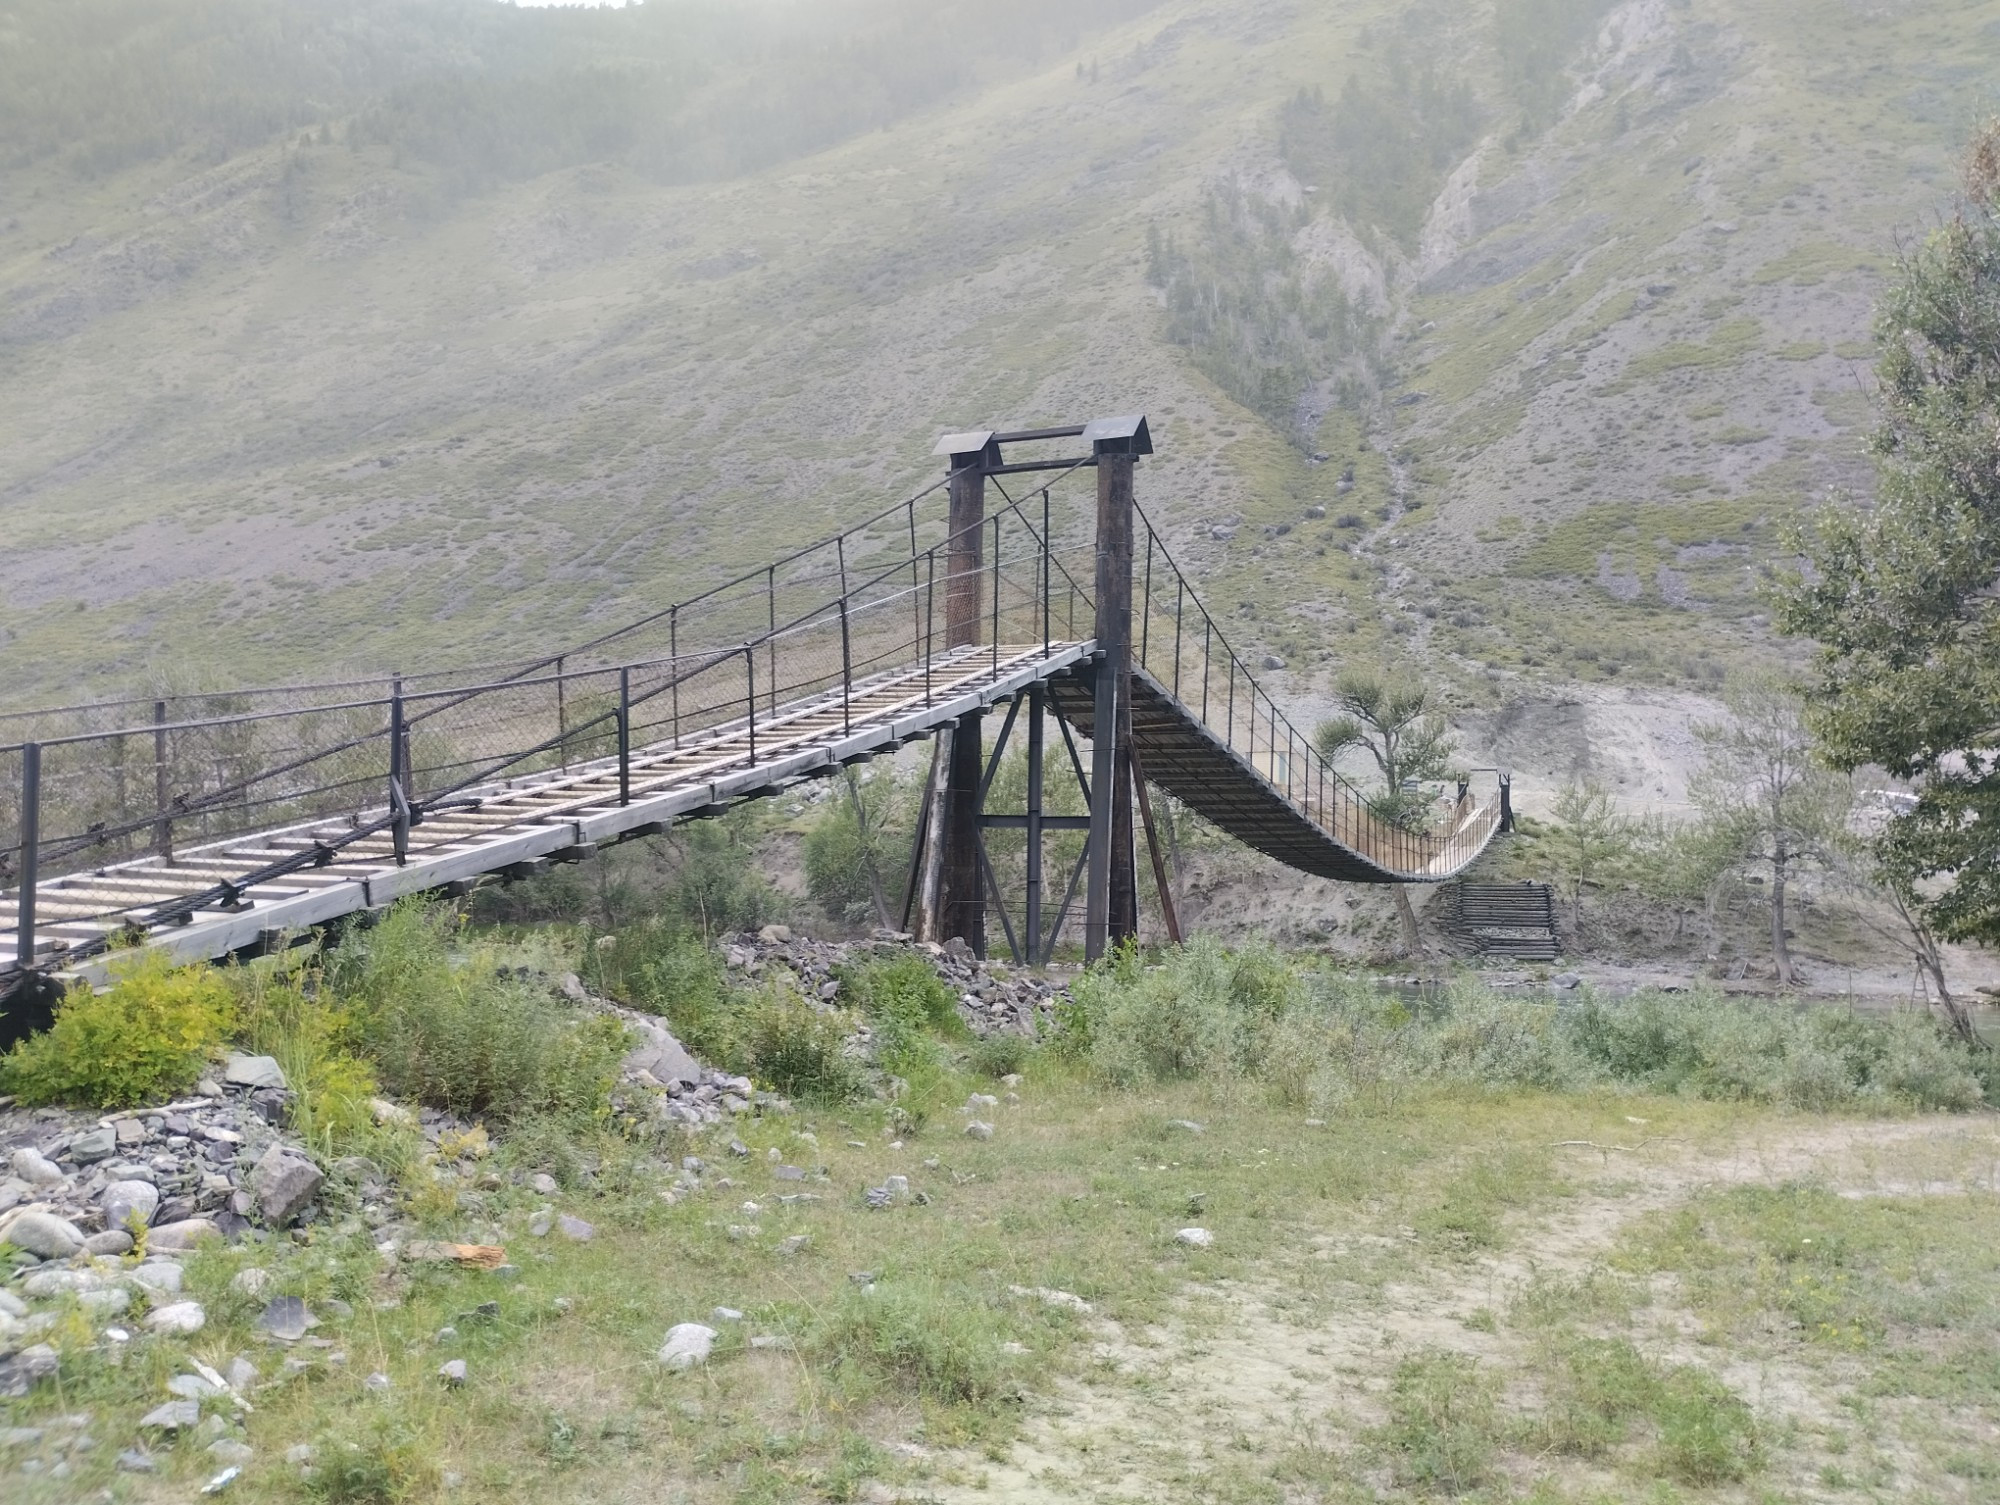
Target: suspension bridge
[(231, 824)]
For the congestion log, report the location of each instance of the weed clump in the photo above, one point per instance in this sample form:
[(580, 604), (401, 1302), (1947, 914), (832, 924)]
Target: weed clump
[(1442, 1429), (905, 1003), (455, 1032), (799, 1050), (941, 1343), (145, 1039), (1327, 1041)]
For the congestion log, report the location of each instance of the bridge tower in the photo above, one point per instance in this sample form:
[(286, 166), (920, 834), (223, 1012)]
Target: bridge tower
[(955, 885)]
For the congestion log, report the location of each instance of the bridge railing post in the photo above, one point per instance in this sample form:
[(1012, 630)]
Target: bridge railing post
[(31, 852), (674, 668), (1048, 548), (163, 826), (846, 672), (930, 609), (996, 593), (750, 695), (562, 718), (624, 736)]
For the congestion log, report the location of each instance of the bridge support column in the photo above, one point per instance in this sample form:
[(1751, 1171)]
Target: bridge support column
[(1111, 903), (962, 885)]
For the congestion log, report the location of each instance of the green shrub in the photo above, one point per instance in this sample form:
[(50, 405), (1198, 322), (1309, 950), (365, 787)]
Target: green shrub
[(375, 1459), (1201, 1012), (314, 1042), (905, 1003), (800, 1051), (1707, 1434), (453, 1031), (144, 1040), (1441, 1431), (997, 1056), (941, 1343), (670, 971), (1597, 1387)]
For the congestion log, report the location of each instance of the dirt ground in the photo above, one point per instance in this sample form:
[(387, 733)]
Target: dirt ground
[(1204, 1406)]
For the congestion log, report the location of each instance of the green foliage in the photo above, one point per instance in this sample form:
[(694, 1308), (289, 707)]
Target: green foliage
[(1536, 39), (997, 1056), (314, 1041), (798, 1049), (1259, 322), (1586, 835), (1327, 1041), (664, 969), (905, 1003), (454, 1031), (939, 1342), (1442, 1429), (1400, 728), (143, 1040), (717, 887), (855, 847), (1899, 592), (1596, 1389), (376, 1458), (1707, 1434), (1380, 150)]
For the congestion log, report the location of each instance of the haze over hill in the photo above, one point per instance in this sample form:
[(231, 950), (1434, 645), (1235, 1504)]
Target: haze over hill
[(382, 332)]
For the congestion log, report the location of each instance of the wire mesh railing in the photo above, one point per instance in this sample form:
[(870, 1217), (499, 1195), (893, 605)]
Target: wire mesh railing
[(150, 810), (1179, 643)]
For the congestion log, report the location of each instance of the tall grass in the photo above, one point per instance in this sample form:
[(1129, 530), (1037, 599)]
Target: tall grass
[(1328, 1041)]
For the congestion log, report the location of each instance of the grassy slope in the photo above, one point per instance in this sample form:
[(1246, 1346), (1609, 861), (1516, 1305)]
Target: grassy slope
[(290, 401)]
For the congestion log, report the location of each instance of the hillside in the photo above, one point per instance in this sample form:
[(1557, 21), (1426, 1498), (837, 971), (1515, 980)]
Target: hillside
[(477, 327)]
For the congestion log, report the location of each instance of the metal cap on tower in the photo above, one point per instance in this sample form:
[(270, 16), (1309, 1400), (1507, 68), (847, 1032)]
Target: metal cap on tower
[(1119, 436)]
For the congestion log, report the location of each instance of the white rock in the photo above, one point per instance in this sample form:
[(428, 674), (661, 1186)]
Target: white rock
[(978, 1130), (35, 1168), (173, 1238), (125, 1201), (173, 1416), (229, 1450), (104, 1303), (12, 1305), (688, 1344), (45, 1234), (180, 1317), (452, 1372), (1195, 1238), (252, 1280), (1049, 1296)]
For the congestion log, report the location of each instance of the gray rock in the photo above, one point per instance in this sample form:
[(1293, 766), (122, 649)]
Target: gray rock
[(377, 1381), (285, 1182), (1566, 980), (124, 1200), (104, 1303), (241, 1373), (725, 1314), (111, 1242), (93, 1146), (136, 1461), (452, 1372), (1273, 661), (252, 1280), (663, 1056), (575, 1229), (180, 1317), (798, 1243), (688, 1344), (229, 1450), (20, 1437), (174, 1416), (61, 1282), (161, 1275), (45, 1234), (286, 1318), (181, 1235), (978, 1130), (300, 1452), (543, 1184), (540, 1224), (193, 1387), (12, 1305), (1195, 1238), (35, 1168), (254, 1071)]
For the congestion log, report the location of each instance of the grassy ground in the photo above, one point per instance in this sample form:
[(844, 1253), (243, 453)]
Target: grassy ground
[(1519, 1296)]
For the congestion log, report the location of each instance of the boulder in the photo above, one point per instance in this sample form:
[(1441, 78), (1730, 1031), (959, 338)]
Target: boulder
[(253, 1071), (174, 1416), (96, 1145), (44, 1234), (688, 1344), (125, 1201), (184, 1234), (663, 1057), (35, 1168), (284, 1182), (112, 1241), (180, 1317)]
